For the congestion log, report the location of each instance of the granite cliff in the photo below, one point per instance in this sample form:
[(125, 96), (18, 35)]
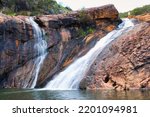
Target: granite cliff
[(68, 36), (124, 64)]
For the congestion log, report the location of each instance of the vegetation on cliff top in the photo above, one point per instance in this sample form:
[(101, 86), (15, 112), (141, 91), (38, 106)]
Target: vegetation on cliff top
[(31, 7), (136, 11)]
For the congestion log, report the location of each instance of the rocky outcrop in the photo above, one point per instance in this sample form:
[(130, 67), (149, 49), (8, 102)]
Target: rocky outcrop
[(73, 43), (66, 38), (144, 17), (124, 64), (17, 52)]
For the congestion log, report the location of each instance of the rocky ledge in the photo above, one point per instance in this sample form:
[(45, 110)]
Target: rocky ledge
[(66, 36), (143, 17)]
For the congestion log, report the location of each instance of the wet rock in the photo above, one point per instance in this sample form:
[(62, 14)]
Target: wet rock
[(67, 36), (124, 64)]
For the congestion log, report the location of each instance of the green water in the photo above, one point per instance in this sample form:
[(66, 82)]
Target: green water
[(28, 94)]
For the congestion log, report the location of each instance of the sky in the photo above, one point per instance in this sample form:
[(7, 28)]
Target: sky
[(121, 5)]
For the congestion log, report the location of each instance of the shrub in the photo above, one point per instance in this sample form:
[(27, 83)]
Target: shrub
[(87, 31), (36, 7), (137, 11), (83, 16)]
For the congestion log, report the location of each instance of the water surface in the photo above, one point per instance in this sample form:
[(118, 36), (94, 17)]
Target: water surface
[(28, 94)]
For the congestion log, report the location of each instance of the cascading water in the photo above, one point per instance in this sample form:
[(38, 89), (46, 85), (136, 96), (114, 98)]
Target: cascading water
[(70, 78), (40, 46)]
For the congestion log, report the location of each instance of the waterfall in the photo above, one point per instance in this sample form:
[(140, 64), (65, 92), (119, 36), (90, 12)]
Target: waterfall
[(70, 78), (40, 46)]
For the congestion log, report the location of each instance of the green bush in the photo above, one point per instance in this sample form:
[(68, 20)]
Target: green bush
[(83, 16), (84, 32), (90, 30), (81, 32), (137, 11), (123, 15), (141, 10), (31, 7)]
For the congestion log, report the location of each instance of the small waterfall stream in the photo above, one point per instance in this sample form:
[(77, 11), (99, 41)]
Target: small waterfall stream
[(40, 46), (70, 78)]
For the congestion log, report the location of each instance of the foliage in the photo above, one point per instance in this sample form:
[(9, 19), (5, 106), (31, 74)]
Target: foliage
[(141, 10), (83, 16), (90, 30), (81, 32), (31, 7), (87, 31), (123, 15), (137, 11)]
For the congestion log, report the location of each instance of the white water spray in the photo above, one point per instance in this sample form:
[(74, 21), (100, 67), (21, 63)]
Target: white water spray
[(40, 46), (71, 77)]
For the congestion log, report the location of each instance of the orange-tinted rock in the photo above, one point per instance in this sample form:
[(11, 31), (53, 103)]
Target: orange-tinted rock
[(64, 39), (68, 44), (110, 28), (144, 17), (124, 64)]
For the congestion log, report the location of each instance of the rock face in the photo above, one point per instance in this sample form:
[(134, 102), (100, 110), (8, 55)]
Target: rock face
[(66, 39), (65, 35), (124, 64), (144, 17)]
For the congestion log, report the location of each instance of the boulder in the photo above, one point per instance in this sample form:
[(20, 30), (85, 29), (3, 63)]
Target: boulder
[(144, 17)]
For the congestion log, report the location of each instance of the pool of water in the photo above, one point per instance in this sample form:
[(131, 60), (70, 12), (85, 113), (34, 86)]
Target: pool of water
[(36, 94)]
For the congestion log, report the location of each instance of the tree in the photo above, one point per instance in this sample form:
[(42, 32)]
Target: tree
[(21, 5)]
